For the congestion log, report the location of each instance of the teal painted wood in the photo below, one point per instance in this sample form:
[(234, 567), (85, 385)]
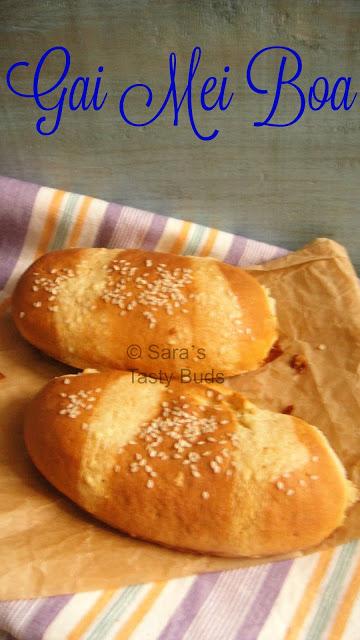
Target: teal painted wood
[(283, 186)]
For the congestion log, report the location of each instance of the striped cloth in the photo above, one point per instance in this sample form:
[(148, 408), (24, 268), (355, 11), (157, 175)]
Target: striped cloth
[(310, 598)]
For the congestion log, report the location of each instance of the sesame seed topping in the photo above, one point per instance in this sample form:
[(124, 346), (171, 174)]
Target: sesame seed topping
[(322, 347), (37, 304), (22, 314), (117, 468), (150, 483), (66, 381), (302, 483), (315, 458), (158, 288), (205, 495), (280, 485), (314, 477), (290, 492)]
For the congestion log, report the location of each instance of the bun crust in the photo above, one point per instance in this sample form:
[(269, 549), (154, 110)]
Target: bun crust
[(189, 466), (85, 307)]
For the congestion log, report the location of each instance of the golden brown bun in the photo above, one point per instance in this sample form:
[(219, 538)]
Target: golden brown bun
[(187, 466), (74, 305)]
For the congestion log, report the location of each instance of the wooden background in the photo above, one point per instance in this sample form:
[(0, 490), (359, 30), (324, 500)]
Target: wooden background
[(284, 186)]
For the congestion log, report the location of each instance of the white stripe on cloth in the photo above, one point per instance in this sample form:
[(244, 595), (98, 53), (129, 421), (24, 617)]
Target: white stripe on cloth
[(318, 601), (36, 223), (169, 235), (221, 245), (163, 609), (289, 597), (227, 605), (70, 615), (92, 224)]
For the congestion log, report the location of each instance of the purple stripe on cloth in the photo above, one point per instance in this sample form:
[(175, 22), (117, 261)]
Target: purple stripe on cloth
[(236, 250), (154, 232), (131, 228), (189, 607), (264, 601), (16, 203), (108, 224), (37, 624)]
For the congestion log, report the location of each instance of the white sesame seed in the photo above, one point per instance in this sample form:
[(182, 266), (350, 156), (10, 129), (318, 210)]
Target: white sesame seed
[(209, 393), (290, 492), (322, 347), (229, 472), (66, 381), (313, 477), (37, 304), (22, 314), (195, 473), (205, 495), (302, 483), (280, 485), (117, 468), (150, 483), (315, 458), (224, 421), (286, 474)]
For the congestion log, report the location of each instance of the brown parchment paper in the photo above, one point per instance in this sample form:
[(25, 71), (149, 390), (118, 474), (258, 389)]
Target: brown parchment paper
[(49, 546)]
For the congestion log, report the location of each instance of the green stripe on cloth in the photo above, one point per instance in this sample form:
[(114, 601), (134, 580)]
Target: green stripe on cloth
[(328, 601), (194, 240), (65, 222), (111, 616)]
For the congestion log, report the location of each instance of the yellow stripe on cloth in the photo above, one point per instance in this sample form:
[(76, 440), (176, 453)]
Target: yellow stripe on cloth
[(346, 606), (50, 223), (310, 593), (140, 613), (180, 241), (90, 616), (79, 222), (210, 241)]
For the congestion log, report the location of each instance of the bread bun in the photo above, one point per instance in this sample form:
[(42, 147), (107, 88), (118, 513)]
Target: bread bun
[(187, 466), (87, 307)]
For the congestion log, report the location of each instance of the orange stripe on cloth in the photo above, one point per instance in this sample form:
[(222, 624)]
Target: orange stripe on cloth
[(346, 606), (310, 593), (140, 613), (180, 241), (50, 223), (79, 222), (210, 241), (90, 616)]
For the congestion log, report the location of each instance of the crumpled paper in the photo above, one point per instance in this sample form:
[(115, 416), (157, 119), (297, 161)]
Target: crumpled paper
[(49, 546)]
